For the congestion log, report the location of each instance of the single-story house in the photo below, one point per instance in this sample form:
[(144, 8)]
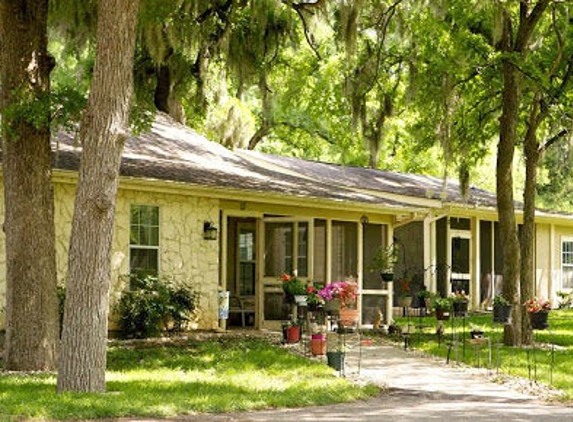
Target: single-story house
[(277, 214)]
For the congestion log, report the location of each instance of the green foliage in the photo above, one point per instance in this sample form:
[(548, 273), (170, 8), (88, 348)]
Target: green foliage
[(444, 303), (565, 299), (155, 304), (29, 107), (385, 258), (177, 379), (499, 300)]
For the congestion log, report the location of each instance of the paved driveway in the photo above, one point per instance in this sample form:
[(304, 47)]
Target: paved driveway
[(416, 388)]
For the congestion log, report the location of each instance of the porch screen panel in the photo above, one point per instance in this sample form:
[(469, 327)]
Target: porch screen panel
[(498, 260), (302, 250), (372, 306), (486, 263), (567, 264), (319, 251), (372, 240), (278, 249), (344, 250)]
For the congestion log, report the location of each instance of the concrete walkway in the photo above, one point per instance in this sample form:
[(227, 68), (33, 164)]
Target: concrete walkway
[(416, 388)]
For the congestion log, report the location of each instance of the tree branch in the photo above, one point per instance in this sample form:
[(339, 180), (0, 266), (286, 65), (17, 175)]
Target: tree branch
[(528, 22), (552, 140)]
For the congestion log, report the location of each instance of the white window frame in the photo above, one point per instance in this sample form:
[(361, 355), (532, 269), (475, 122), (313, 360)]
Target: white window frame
[(133, 246), (564, 265)]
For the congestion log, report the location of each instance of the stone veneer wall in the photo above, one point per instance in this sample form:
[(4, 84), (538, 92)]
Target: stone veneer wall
[(184, 254)]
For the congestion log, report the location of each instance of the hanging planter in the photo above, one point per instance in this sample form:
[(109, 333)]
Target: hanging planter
[(442, 314), (300, 300), (332, 307), (538, 320), (405, 301), (501, 313), (460, 308), (387, 276)]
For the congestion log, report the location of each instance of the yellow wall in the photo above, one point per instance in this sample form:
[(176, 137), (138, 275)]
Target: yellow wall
[(544, 255), (548, 259), (184, 253)]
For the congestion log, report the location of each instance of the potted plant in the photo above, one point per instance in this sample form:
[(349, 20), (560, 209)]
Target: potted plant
[(313, 300), (404, 293), (335, 358), (384, 260), (292, 331), (501, 309), (424, 298), (460, 302), (293, 287), (442, 307), (318, 344), (344, 294), (538, 312)]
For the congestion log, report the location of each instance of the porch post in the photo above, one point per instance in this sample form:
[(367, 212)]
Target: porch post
[(359, 268), (475, 262), (553, 273), (390, 285), (328, 251), (429, 257), (223, 263)]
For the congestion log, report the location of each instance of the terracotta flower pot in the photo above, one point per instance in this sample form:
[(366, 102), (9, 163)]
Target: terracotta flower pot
[(348, 317), (317, 347), (293, 334)]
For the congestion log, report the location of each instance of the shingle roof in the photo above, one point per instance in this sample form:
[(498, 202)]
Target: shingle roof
[(412, 185), (173, 152)]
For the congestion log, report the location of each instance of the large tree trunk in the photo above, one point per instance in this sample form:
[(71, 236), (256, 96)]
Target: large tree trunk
[(511, 98), (531, 150), (32, 328), (103, 131), (504, 181)]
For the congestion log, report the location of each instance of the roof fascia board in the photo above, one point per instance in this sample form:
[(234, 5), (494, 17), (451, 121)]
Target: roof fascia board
[(181, 188)]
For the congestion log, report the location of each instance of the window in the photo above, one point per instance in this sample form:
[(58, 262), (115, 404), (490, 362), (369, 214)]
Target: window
[(144, 240), (567, 264)]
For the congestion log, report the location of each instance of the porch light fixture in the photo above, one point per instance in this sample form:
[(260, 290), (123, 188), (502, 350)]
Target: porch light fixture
[(209, 231), (364, 220)]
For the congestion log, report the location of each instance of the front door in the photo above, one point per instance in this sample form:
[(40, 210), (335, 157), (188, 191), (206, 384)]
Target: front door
[(460, 261), (286, 250), (242, 270)]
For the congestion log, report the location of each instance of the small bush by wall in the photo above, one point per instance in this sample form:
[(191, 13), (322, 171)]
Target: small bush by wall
[(155, 304)]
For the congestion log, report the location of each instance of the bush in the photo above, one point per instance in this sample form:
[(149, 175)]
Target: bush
[(155, 304)]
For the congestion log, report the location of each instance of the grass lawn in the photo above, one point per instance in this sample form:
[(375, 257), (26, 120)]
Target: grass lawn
[(550, 361), (217, 375)]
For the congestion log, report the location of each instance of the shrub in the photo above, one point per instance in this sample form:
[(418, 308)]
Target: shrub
[(155, 304)]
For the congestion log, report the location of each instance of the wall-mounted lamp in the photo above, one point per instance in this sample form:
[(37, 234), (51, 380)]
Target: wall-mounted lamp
[(364, 220), (209, 231)]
